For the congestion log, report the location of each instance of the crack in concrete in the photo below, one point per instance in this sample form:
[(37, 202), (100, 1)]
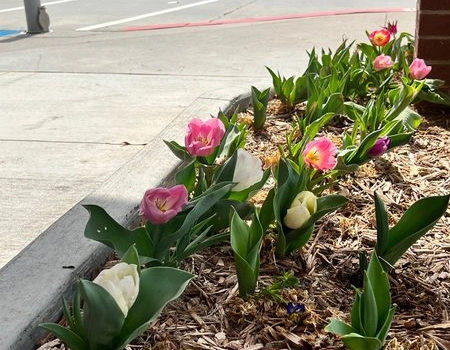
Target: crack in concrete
[(124, 143)]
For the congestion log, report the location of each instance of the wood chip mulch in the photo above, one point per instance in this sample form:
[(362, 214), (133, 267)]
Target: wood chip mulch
[(210, 314)]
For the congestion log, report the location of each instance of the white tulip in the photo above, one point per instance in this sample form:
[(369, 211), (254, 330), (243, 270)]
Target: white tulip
[(122, 282), (248, 170), (301, 209)]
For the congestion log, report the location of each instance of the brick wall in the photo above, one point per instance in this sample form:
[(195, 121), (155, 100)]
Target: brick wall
[(433, 37)]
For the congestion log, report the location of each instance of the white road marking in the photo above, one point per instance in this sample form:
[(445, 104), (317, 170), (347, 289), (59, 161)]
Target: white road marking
[(43, 4), (151, 14)]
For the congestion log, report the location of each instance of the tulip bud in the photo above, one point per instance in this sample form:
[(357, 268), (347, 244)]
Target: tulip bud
[(382, 62), (380, 147), (122, 282), (301, 209), (248, 170), (418, 69), (392, 27)]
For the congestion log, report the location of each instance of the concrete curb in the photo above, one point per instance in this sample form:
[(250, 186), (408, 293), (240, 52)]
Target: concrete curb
[(33, 284)]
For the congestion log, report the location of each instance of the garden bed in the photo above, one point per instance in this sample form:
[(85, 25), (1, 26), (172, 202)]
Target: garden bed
[(211, 315)]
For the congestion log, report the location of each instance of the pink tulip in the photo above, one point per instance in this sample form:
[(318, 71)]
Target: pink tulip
[(380, 37), (320, 154), (382, 62), (159, 205), (418, 69), (203, 137)]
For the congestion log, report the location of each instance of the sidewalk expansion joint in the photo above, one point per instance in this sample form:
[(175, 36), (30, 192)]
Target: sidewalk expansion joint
[(124, 143)]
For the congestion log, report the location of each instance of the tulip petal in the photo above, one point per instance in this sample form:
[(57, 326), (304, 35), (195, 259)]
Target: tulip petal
[(296, 217)]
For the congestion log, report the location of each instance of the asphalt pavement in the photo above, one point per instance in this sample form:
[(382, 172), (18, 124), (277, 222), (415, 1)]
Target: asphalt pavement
[(79, 104)]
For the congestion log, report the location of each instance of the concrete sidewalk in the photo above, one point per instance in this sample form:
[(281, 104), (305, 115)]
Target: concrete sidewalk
[(76, 106)]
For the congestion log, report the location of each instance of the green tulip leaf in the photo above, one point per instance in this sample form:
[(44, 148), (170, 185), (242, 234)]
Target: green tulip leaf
[(200, 206), (369, 309), (102, 316), (178, 150), (259, 101), (266, 214), (382, 224), (360, 154), (67, 336), (334, 104), (226, 171), (313, 128), (416, 222), (400, 139), (356, 341), (187, 176), (383, 332), (131, 256), (158, 286), (246, 244), (356, 313), (379, 285), (401, 100), (103, 228), (410, 120), (339, 328)]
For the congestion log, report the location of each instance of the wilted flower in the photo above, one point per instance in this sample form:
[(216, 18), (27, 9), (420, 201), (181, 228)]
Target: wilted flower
[(382, 62), (159, 205), (392, 27), (203, 137), (380, 37), (320, 154), (122, 282), (295, 308), (418, 69), (380, 147), (301, 209), (248, 170)]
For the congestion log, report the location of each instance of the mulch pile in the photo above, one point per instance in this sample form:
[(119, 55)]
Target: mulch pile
[(210, 314)]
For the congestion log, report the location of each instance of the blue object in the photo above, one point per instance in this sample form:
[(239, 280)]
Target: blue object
[(295, 308), (6, 32)]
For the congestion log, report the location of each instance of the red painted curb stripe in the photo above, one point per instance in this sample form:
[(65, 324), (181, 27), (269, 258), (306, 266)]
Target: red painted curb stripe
[(264, 19)]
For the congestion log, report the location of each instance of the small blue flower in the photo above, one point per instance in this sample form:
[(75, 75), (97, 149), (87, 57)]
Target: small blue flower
[(295, 308)]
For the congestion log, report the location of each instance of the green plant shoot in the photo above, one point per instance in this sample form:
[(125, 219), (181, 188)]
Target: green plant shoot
[(372, 312), (415, 222), (259, 101), (246, 244)]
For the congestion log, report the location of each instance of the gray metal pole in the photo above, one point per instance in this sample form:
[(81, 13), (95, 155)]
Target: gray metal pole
[(32, 14)]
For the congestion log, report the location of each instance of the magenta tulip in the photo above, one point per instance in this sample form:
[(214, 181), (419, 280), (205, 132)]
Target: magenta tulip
[(392, 27), (418, 69), (380, 147), (382, 62), (203, 137), (320, 154), (159, 205)]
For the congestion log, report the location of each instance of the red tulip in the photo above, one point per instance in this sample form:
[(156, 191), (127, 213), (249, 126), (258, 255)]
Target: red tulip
[(380, 37)]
